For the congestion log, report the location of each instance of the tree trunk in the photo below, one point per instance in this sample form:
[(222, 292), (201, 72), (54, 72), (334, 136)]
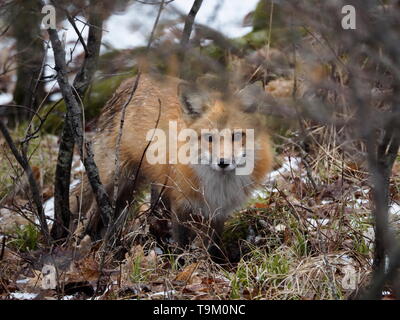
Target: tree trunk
[(29, 90)]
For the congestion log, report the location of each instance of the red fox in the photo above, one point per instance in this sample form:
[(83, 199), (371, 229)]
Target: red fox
[(201, 194)]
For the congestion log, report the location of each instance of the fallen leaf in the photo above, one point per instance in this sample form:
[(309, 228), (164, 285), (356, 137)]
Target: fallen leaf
[(187, 273)]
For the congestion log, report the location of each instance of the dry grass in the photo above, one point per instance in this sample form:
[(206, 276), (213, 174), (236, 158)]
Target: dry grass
[(291, 242)]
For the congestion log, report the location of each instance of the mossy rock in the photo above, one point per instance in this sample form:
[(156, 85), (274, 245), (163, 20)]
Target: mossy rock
[(262, 15), (279, 37), (255, 39), (55, 120), (281, 33), (100, 93), (214, 52), (97, 96), (119, 61)]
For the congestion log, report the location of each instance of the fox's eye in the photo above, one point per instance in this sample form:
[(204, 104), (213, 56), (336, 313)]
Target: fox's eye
[(237, 136)]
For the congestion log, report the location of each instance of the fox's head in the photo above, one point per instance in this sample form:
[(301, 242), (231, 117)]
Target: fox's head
[(227, 128)]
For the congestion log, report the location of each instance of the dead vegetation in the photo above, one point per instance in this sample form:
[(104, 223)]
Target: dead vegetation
[(291, 242), (311, 232)]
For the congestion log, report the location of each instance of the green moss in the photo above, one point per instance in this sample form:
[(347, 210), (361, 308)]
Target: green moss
[(280, 34), (100, 93), (138, 275), (118, 61), (214, 52), (55, 120), (259, 270), (262, 15), (26, 238), (279, 37), (255, 39), (97, 96), (235, 229)]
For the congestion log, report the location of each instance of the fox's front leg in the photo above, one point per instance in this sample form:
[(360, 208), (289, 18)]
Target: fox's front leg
[(185, 227), (182, 227), (214, 240)]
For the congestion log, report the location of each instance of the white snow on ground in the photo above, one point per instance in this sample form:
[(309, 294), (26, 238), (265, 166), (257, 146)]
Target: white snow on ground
[(394, 209), (346, 258), (5, 98), (318, 222), (48, 207), (79, 168), (290, 164), (163, 294), (158, 251), (22, 281), (369, 236), (74, 183), (23, 295), (360, 203), (280, 227)]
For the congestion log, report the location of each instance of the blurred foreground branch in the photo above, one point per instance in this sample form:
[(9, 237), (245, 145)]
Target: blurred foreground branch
[(187, 31)]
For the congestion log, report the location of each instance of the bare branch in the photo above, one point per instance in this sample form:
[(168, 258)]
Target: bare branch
[(82, 81), (74, 120), (187, 31), (122, 121), (35, 189), (189, 22)]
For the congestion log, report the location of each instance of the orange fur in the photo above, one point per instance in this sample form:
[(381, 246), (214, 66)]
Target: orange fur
[(186, 187)]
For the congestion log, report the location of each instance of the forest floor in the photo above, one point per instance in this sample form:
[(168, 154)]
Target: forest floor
[(306, 234)]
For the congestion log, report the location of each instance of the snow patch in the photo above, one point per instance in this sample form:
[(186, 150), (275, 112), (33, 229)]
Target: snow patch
[(346, 259), (74, 183), (79, 168), (23, 295), (22, 281), (280, 227), (394, 209), (168, 293), (289, 164), (360, 203), (318, 222), (5, 98), (48, 207), (369, 236)]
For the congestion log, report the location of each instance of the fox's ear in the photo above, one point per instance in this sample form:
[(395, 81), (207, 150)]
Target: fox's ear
[(193, 100), (251, 96)]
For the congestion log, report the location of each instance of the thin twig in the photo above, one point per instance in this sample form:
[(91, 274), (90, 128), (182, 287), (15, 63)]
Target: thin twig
[(123, 112), (35, 189)]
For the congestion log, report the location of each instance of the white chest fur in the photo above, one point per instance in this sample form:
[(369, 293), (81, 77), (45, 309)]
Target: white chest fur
[(222, 192)]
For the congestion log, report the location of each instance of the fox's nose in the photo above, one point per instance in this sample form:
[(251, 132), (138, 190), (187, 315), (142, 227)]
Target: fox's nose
[(223, 163)]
